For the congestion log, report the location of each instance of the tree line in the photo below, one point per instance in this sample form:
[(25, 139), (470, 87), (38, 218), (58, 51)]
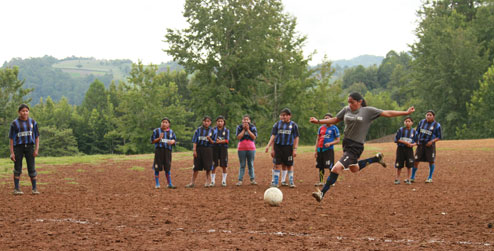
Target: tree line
[(246, 57)]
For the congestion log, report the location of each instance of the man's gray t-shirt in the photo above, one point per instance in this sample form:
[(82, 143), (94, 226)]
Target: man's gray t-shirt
[(357, 122)]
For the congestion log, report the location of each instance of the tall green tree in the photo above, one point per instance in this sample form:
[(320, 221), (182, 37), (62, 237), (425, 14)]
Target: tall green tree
[(448, 60), (12, 94)]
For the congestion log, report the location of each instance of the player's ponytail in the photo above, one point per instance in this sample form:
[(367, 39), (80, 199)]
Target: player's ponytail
[(357, 97)]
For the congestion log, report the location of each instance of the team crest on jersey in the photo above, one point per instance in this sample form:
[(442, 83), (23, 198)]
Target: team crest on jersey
[(431, 128), (290, 127), (223, 133)]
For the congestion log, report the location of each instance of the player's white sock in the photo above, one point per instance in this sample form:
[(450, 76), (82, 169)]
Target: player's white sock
[(283, 175), (223, 177), (213, 177)]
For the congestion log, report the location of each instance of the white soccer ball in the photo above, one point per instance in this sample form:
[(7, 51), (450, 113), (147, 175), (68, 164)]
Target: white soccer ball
[(273, 196)]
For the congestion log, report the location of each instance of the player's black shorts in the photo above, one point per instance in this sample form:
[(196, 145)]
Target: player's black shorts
[(283, 155), (424, 153), (204, 159), (325, 159), (220, 156), (404, 157), (162, 159), (351, 152), (24, 150)]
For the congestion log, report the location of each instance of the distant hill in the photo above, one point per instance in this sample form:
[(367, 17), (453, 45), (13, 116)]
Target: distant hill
[(364, 60)]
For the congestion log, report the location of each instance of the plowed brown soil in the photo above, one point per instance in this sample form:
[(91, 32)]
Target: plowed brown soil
[(113, 207)]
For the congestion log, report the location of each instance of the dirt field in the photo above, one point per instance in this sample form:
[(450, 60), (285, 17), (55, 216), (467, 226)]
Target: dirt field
[(114, 206)]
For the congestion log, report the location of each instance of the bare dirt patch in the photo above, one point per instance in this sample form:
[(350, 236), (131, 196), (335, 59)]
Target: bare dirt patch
[(115, 206)]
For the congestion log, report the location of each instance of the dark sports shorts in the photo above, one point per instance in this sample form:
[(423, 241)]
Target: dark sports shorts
[(283, 155), (404, 157), (351, 152), (162, 159), (204, 159), (20, 151), (325, 159), (424, 153), (220, 156)]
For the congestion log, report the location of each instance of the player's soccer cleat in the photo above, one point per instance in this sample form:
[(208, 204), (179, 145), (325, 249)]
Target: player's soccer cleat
[(212, 184), (253, 182), (35, 192), (273, 185), (171, 187), (317, 195), (318, 184), (17, 192), (397, 182), (239, 183), (412, 180), (292, 185), (157, 187), (284, 184), (190, 185), (380, 159), (207, 185), (428, 181), (408, 182), (223, 184)]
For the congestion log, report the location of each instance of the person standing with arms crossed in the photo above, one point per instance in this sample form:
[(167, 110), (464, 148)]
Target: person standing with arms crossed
[(358, 118), (24, 141), (246, 134), (428, 133)]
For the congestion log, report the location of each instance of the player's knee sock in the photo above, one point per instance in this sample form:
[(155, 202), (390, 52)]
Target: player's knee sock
[(168, 177), (414, 170), (16, 182), (276, 177), (33, 182), (283, 175), (321, 175), (330, 181), (213, 177), (365, 162), (290, 177), (157, 177), (431, 170)]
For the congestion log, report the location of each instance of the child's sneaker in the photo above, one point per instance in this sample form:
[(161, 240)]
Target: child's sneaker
[(284, 184), (292, 185), (408, 182), (17, 192), (190, 185), (212, 184), (412, 180), (317, 195), (35, 192), (171, 187), (253, 182), (428, 181), (273, 185), (239, 183), (223, 184), (380, 159), (157, 187), (397, 182)]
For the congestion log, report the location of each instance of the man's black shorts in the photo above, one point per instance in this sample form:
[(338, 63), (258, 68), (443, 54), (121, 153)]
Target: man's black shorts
[(404, 157), (425, 153), (351, 152), (204, 160), (283, 155), (325, 159), (28, 151), (220, 156), (162, 159)]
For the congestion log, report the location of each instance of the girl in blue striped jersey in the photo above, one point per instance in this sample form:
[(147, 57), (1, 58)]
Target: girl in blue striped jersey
[(203, 151), (24, 141), (428, 133), (404, 152), (220, 150), (284, 142), (163, 139)]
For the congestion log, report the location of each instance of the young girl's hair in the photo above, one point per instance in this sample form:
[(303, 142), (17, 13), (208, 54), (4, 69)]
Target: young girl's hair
[(328, 114), (206, 117), (22, 106), (167, 119), (357, 97), (410, 118)]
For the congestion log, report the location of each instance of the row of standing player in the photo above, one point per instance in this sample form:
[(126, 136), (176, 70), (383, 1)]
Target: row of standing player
[(210, 149)]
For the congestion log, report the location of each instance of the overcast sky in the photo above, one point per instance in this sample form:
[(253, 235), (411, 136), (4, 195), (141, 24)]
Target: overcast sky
[(111, 29)]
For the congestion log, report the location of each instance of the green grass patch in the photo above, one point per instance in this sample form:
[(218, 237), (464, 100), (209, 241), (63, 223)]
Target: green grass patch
[(44, 172), (68, 178), (80, 170), (137, 168), (72, 183)]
